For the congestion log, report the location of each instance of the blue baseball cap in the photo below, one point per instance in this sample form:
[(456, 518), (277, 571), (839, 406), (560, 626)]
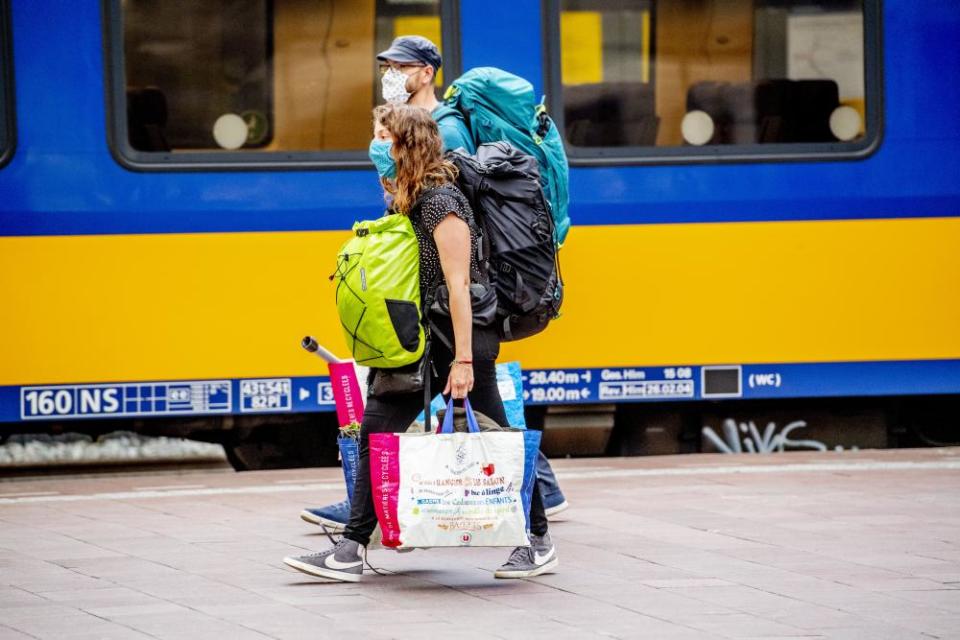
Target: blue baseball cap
[(412, 49)]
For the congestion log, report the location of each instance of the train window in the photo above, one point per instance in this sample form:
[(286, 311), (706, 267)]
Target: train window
[(256, 82), (7, 130), (714, 79)]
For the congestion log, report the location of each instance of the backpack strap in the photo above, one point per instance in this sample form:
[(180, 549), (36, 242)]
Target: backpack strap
[(452, 108), (427, 377)]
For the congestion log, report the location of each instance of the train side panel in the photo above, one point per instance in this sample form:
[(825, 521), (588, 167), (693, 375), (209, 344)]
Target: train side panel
[(814, 278)]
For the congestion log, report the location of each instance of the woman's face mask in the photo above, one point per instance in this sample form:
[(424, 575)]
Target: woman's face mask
[(393, 83), (382, 160)]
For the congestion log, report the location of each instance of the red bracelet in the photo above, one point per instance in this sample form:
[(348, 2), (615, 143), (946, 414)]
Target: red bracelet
[(470, 362)]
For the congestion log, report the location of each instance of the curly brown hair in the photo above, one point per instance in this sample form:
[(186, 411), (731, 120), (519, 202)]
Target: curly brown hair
[(418, 151)]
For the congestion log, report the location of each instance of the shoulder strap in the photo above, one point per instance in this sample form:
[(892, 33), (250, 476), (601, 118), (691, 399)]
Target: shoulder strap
[(423, 196), (451, 108), (445, 111)]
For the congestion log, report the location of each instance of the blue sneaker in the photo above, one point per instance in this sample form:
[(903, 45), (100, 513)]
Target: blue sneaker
[(554, 504), (333, 517)]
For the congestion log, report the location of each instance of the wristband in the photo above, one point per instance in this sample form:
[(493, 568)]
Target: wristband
[(470, 362)]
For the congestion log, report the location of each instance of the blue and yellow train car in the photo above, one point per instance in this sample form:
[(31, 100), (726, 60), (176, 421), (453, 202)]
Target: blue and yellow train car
[(765, 195)]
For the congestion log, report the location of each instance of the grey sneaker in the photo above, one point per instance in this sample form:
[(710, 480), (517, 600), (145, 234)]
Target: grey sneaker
[(525, 562), (340, 562)]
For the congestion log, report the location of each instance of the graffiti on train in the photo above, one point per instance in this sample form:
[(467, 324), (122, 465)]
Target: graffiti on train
[(745, 437)]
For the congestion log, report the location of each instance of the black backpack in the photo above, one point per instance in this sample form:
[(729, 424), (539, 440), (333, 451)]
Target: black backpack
[(503, 187)]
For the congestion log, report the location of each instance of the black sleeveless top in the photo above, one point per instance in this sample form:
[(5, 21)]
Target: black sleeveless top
[(429, 212)]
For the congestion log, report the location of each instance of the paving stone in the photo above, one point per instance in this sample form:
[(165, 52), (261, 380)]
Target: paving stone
[(69, 624), (945, 599), (9, 633), (16, 598)]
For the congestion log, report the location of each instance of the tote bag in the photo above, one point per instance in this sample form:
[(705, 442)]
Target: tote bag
[(448, 489)]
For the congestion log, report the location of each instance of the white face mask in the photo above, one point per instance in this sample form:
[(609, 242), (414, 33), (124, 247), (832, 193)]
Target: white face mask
[(394, 86)]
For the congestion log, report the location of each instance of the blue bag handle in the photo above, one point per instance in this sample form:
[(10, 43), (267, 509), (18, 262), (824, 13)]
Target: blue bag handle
[(447, 426)]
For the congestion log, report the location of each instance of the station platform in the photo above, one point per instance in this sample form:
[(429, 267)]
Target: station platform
[(796, 545)]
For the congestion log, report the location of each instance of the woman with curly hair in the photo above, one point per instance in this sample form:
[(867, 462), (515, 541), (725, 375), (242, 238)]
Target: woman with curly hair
[(420, 183)]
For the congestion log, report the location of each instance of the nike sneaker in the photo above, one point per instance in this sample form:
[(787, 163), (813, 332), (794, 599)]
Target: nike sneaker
[(340, 562), (525, 562)]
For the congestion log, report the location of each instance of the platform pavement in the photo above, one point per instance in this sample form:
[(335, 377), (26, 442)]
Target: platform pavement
[(799, 545)]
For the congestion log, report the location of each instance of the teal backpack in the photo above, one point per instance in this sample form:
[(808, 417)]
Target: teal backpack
[(499, 106), (378, 293)]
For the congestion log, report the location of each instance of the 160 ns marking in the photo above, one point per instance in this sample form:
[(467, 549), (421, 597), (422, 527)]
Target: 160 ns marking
[(60, 402)]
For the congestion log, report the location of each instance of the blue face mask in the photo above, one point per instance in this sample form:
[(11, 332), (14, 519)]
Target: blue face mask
[(382, 160)]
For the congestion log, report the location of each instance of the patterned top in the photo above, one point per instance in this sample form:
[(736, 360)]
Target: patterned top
[(433, 209)]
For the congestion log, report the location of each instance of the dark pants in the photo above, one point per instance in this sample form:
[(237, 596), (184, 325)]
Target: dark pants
[(394, 414)]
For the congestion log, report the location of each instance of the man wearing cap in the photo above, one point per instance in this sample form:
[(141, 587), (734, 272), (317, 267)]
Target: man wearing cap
[(407, 72)]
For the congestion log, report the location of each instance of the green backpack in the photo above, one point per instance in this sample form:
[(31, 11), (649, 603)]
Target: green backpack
[(378, 293)]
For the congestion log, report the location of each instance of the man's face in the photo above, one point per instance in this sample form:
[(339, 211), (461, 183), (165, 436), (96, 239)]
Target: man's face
[(418, 75)]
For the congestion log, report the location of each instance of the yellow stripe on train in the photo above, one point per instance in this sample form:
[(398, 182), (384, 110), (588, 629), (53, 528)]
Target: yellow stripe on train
[(188, 306)]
